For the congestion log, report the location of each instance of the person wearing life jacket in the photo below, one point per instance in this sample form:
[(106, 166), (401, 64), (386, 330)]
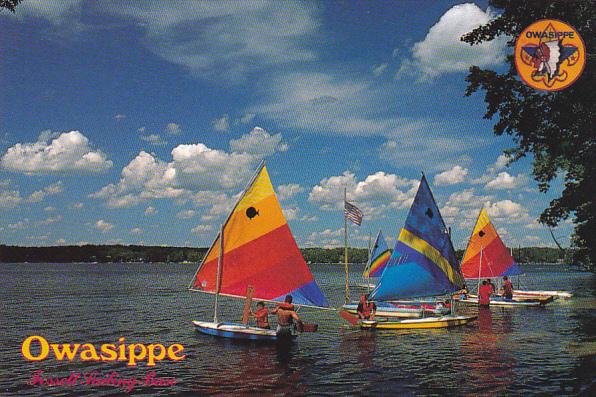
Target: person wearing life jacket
[(286, 316), (507, 288), (484, 293), (366, 310), (261, 316)]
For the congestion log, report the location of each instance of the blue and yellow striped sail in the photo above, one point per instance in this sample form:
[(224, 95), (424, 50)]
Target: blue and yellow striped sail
[(423, 261)]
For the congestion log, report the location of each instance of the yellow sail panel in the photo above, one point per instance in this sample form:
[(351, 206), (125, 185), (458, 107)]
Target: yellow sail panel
[(257, 213), (252, 221), (476, 243)]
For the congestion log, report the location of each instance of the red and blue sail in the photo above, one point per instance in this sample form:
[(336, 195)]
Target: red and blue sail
[(486, 256), (423, 261), (379, 256), (259, 251)]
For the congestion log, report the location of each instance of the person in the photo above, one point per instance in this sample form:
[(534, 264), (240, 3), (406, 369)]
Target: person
[(286, 316), (366, 310), (492, 285), (507, 288), (484, 293), (261, 316)]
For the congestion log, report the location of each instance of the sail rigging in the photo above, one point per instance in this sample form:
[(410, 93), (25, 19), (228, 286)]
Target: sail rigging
[(423, 261), (486, 256), (259, 250)]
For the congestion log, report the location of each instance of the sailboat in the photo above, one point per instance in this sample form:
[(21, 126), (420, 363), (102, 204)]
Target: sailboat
[(378, 257), (422, 264), (487, 257), (255, 250)]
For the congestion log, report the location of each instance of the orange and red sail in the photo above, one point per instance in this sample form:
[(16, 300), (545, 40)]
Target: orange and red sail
[(259, 250), (486, 255)]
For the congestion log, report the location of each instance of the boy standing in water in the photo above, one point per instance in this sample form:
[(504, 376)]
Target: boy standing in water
[(286, 316), (507, 288), (484, 293)]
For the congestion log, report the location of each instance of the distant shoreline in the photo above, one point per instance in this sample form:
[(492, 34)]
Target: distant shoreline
[(155, 254)]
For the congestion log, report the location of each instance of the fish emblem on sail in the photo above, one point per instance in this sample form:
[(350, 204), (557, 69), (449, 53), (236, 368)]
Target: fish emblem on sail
[(260, 251), (423, 261)]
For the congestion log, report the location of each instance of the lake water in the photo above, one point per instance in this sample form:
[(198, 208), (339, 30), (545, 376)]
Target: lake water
[(520, 351)]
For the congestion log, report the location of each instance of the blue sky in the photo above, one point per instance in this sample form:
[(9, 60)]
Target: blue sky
[(140, 123)]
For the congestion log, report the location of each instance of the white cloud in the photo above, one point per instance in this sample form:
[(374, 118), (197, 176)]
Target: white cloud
[(56, 12), (173, 129), (374, 195), (286, 192), (149, 211), (442, 51), (224, 41), (451, 177), (221, 124), (70, 151), (194, 172), (51, 219), (136, 230), (23, 224), (10, 198), (258, 142), (39, 195), (293, 214), (78, 206), (186, 214), (505, 181), (202, 229), (119, 117), (49, 209), (379, 69), (154, 139), (61, 241), (103, 226), (247, 118)]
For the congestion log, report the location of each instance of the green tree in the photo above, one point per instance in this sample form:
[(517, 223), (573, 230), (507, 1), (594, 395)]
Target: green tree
[(557, 128), (9, 4)]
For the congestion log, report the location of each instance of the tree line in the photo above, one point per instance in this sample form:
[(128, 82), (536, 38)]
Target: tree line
[(141, 253)]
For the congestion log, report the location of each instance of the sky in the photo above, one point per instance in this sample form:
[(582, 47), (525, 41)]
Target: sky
[(141, 122)]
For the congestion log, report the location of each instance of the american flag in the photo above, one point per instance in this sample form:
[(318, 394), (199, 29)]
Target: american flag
[(352, 213)]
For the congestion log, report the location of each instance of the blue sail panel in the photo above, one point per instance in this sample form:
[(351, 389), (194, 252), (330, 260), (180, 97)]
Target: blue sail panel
[(423, 262)]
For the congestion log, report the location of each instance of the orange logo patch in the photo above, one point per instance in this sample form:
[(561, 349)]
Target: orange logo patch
[(550, 55)]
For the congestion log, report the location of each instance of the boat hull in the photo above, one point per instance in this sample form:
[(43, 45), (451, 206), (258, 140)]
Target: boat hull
[(420, 323), (402, 310), (556, 294), (236, 331), (502, 302)]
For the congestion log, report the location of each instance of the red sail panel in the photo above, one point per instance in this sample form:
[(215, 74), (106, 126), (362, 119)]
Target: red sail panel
[(486, 255)]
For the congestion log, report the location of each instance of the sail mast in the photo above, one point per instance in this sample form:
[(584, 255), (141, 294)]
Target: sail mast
[(218, 277), (347, 297)]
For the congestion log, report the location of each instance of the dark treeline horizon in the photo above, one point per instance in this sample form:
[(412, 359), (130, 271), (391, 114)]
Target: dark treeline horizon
[(145, 253)]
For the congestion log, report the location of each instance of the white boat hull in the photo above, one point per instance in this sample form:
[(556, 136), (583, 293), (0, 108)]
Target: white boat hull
[(557, 294), (236, 331)]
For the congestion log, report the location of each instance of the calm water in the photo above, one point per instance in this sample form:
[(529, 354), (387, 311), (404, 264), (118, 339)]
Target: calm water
[(508, 351)]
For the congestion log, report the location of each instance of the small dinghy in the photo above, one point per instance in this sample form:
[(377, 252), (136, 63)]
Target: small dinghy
[(255, 251)]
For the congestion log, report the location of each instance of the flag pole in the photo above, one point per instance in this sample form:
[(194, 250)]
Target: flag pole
[(347, 297)]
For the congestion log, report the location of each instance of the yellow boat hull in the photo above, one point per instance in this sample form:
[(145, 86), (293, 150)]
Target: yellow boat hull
[(421, 323)]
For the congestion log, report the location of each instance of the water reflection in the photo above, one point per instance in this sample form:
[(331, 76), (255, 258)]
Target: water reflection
[(485, 353), (251, 367)]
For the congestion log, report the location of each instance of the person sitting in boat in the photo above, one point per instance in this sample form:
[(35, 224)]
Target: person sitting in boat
[(484, 293), (366, 310), (261, 316), (507, 288), (286, 316)]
